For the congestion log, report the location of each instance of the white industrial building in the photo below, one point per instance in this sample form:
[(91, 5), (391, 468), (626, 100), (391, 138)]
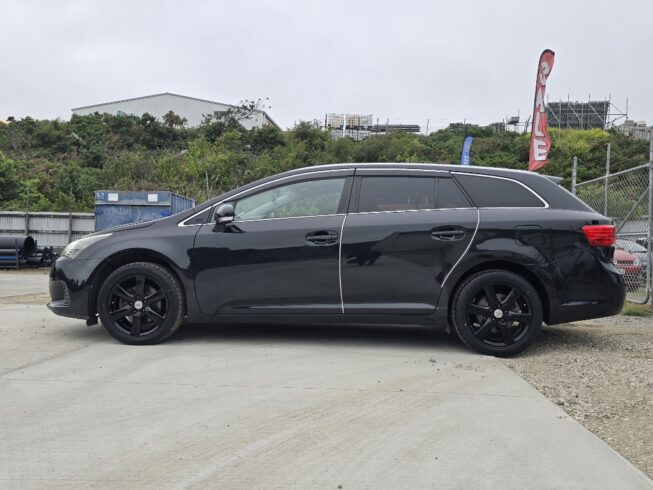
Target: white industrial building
[(193, 109), (637, 129)]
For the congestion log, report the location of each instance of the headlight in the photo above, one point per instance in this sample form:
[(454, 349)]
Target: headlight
[(73, 249)]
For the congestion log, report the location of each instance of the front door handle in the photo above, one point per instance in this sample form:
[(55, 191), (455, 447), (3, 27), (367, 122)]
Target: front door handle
[(322, 237), (448, 234)]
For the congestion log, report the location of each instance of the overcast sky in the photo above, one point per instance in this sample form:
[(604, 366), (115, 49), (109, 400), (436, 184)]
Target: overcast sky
[(407, 61)]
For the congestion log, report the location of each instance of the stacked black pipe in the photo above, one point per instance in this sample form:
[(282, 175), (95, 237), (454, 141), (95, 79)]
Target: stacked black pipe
[(15, 250)]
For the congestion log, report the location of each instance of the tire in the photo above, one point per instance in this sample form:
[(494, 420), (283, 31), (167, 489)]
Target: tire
[(497, 312), (141, 303)]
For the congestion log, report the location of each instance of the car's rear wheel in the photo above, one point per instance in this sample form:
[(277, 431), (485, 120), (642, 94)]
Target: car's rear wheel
[(141, 303), (497, 312)]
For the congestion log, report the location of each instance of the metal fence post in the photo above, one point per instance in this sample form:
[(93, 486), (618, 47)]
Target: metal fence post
[(649, 238), (26, 223), (607, 174), (574, 172), (70, 227)]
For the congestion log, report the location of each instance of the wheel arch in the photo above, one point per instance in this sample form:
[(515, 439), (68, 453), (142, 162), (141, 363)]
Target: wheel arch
[(514, 267), (128, 256)]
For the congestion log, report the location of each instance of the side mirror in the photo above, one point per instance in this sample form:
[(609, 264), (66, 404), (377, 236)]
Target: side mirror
[(225, 214)]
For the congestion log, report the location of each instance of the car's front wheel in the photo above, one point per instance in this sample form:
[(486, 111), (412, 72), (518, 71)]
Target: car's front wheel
[(497, 312), (141, 303)]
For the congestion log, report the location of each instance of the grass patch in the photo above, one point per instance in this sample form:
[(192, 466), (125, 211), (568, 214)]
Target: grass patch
[(634, 309)]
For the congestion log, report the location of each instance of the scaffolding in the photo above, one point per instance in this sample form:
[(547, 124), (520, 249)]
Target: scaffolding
[(593, 114), (514, 124)]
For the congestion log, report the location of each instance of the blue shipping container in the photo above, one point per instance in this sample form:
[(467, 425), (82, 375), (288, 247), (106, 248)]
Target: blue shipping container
[(115, 208)]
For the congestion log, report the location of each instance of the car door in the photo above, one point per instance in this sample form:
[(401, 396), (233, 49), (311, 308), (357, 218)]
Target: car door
[(403, 235), (280, 254)]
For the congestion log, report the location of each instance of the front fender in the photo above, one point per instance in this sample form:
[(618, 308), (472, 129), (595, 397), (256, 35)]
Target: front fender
[(170, 246)]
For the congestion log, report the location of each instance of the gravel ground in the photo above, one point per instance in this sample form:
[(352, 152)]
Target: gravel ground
[(26, 299), (36, 271), (601, 373)]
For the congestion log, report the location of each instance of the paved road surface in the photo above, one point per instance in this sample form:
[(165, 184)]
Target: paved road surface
[(279, 407)]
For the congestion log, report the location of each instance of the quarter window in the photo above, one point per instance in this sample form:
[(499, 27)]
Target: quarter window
[(487, 192), (449, 195), (396, 193), (309, 198)]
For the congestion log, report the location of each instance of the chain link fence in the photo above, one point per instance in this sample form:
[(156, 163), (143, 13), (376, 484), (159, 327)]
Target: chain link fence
[(625, 197)]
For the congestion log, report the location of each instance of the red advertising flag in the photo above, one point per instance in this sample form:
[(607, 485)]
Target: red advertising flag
[(540, 140)]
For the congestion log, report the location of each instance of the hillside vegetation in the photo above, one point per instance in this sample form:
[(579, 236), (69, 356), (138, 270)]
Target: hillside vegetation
[(54, 165)]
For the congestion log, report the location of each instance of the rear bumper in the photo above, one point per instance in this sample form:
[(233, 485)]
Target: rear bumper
[(604, 296), (71, 286)]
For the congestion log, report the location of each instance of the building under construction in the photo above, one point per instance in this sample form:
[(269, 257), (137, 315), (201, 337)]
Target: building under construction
[(360, 126), (594, 114)]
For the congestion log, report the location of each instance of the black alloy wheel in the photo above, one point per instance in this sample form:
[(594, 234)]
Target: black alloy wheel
[(140, 303), (497, 313)]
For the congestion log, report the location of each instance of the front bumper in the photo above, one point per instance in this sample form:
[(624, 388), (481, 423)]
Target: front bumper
[(71, 286)]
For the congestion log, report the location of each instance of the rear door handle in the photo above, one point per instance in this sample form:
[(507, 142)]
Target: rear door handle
[(322, 237), (448, 234)]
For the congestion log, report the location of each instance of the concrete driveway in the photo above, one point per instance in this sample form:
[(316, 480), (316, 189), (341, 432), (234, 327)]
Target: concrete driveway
[(14, 283), (279, 407)]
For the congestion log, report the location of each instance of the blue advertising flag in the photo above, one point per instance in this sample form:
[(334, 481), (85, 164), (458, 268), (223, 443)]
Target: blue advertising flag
[(467, 145)]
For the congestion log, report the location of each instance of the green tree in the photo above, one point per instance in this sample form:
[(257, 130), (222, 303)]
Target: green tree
[(172, 120), (9, 182), (56, 165)]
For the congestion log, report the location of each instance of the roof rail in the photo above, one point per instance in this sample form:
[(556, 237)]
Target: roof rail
[(554, 179)]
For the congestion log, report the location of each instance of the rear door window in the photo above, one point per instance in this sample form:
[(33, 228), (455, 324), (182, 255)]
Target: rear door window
[(396, 193), (490, 192)]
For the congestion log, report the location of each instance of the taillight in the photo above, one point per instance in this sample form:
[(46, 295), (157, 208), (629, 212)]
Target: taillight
[(600, 235)]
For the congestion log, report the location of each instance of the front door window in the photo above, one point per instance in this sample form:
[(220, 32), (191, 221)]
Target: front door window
[(308, 198)]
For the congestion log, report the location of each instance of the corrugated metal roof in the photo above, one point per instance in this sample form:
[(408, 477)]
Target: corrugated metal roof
[(172, 95), (150, 97)]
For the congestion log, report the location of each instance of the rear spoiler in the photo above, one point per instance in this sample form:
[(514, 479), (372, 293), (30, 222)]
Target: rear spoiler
[(554, 179)]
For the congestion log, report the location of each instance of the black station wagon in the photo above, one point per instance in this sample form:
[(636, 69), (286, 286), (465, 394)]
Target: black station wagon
[(488, 253)]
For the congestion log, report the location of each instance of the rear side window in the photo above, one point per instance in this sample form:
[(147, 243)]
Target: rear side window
[(449, 195), (488, 192), (396, 193)]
